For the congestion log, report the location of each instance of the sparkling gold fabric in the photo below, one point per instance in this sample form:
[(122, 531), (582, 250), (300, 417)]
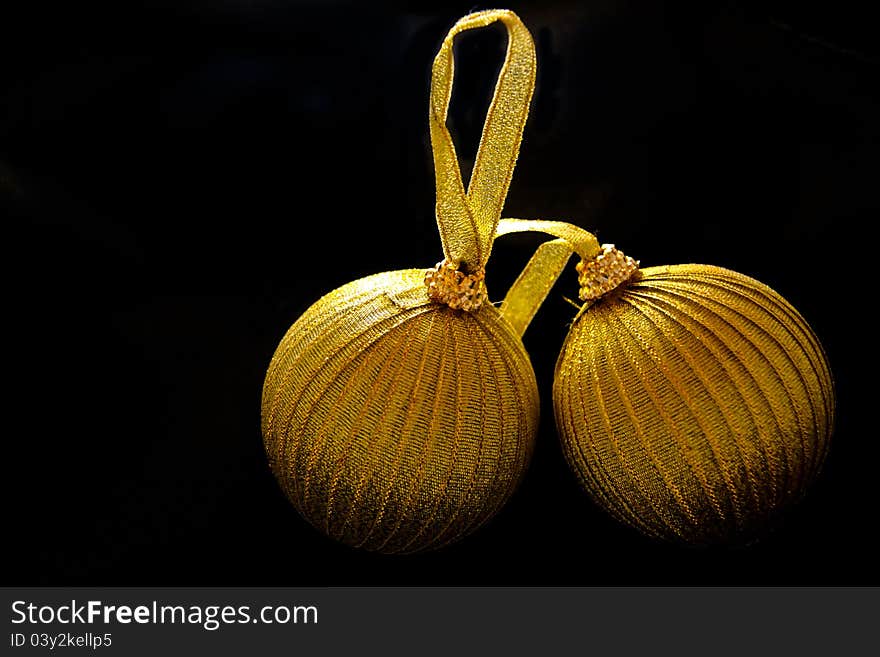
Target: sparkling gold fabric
[(394, 423), (693, 403), (398, 422)]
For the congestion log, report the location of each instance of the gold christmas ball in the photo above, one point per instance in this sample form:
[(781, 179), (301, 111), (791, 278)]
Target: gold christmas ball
[(693, 402), (396, 423)]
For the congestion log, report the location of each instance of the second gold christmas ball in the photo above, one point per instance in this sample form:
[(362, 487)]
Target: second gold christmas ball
[(694, 403)]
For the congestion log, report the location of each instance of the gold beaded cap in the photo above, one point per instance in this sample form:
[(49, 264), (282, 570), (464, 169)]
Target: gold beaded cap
[(448, 285), (604, 273)]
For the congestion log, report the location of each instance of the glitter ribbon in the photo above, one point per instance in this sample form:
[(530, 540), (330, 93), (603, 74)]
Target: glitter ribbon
[(601, 269), (467, 220)]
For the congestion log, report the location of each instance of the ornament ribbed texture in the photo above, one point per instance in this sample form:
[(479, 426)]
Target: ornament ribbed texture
[(397, 424), (693, 403)]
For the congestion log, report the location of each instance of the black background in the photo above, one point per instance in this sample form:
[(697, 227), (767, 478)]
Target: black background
[(179, 181)]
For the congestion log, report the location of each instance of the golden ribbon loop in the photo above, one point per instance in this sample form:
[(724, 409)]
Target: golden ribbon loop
[(533, 285), (582, 242), (467, 221)]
